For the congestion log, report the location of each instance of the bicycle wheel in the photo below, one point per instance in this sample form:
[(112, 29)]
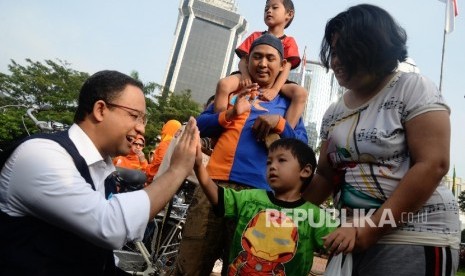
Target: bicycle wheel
[(165, 258), (130, 258)]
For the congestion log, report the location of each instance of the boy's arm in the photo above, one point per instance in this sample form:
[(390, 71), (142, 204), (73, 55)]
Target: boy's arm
[(245, 76), (212, 124), (208, 186), (270, 94)]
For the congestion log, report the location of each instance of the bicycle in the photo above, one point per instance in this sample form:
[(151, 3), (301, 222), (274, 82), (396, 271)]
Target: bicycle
[(157, 255)]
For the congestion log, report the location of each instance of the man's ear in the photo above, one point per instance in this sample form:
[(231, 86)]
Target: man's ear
[(306, 171), (99, 110), (283, 63)]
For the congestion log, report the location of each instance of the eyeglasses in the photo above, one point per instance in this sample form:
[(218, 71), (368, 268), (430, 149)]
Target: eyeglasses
[(138, 144), (140, 117)]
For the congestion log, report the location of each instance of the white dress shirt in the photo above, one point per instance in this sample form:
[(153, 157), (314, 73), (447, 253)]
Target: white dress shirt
[(40, 179)]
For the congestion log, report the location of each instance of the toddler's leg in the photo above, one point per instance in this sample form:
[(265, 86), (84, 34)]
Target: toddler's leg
[(298, 96), (224, 87)]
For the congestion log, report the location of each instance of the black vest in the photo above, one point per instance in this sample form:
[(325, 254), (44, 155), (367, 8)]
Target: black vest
[(30, 246)]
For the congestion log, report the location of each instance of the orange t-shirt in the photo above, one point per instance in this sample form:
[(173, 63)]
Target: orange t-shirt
[(168, 131), (160, 151), (130, 161)]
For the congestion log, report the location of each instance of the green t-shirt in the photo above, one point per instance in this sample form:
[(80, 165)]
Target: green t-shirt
[(272, 235)]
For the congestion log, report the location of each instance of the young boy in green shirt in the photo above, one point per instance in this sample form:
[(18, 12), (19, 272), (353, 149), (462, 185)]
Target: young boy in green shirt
[(277, 232)]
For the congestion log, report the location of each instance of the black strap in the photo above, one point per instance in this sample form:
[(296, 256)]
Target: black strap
[(61, 138)]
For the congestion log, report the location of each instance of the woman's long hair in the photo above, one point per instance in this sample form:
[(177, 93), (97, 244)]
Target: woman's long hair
[(369, 39)]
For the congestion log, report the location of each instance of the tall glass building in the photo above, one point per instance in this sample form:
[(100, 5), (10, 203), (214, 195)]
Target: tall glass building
[(207, 33), (323, 89)]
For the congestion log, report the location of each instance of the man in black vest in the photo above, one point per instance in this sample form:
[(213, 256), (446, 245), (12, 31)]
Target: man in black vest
[(56, 215)]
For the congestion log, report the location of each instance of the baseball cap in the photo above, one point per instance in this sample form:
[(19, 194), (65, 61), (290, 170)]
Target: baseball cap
[(270, 40)]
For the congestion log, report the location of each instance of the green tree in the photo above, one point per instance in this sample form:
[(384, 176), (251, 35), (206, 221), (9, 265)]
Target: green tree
[(168, 106), (164, 105), (51, 83), (152, 129), (54, 83), (461, 200)]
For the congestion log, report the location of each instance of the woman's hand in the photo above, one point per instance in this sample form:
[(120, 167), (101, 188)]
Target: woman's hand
[(358, 238), (341, 240), (368, 236), (140, 154)]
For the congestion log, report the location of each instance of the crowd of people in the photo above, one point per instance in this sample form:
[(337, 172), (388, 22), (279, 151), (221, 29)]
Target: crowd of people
[(384, 152)]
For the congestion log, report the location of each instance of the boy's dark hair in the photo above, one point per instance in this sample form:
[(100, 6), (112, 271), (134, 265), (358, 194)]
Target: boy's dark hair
[(209, 101), (289, 6), (369, 39), (104, 85), (301, 151)]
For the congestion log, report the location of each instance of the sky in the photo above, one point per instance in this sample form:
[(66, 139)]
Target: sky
[(124, 35)]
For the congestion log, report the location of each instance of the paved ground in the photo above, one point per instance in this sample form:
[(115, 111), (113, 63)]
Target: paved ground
[(135, 262), (217, 268), (318, 268)]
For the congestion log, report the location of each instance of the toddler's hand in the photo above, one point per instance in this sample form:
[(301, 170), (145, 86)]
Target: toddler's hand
[(245, 81), (268, 94)]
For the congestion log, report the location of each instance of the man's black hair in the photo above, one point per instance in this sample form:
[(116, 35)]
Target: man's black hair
[(104, 85)]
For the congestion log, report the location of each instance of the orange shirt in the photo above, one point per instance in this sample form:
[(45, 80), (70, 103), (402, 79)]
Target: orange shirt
[(168, 132), (160, 151), (130, 161)]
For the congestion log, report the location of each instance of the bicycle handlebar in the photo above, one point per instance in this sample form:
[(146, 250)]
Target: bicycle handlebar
[(45, 126), (30, 115)]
